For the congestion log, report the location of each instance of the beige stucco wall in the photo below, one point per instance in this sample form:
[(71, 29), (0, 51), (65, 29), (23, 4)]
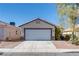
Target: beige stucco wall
[(39, 25), (10, 32), (14, 33)]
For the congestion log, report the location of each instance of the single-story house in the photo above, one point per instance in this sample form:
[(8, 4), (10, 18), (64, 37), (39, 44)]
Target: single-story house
[(38, 30), (69, 30), (9, 32)]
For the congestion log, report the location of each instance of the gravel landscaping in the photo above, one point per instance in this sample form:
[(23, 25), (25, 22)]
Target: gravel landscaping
[(9, 44), (65, 45)]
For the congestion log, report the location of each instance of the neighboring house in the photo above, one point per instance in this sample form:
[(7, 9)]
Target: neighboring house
[(9, 32), (69, 30), (38, 30)]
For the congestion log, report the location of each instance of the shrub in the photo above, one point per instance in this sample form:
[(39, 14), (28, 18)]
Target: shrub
[(67, 37), (57, 33), (75, 41)]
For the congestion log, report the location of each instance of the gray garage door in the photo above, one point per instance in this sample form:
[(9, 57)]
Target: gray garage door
[(37, 34)]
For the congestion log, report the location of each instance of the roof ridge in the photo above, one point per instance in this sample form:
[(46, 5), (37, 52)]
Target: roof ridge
[(3, 22), (7, 23), (38, 19)]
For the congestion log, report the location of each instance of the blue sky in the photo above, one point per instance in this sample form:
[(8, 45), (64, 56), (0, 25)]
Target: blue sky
[(22, 13)]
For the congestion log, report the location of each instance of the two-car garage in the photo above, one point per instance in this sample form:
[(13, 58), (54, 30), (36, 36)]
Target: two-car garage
[(38, 34)]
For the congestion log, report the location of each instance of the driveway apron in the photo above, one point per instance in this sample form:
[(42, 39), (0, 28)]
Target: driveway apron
[(35, 46)]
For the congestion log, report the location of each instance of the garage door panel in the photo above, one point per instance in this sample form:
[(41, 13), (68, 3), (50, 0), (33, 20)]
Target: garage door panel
[(37, 35)]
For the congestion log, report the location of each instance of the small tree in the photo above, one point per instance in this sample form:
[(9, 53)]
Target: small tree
[(61, 14), (70, 12), (57, 33)]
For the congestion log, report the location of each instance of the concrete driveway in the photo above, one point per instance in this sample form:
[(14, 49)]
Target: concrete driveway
[(30, 48), (36, 46)]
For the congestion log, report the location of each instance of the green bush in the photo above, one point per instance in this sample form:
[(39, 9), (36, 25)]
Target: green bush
[(57, 33), (67, 37)]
